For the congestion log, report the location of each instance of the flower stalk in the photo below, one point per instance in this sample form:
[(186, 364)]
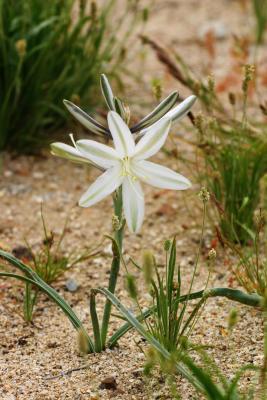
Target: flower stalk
[(115, 266)]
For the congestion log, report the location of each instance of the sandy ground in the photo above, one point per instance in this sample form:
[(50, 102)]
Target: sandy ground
[(34, 358)]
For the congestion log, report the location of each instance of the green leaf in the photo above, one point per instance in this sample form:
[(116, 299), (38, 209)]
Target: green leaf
[(32, 278)]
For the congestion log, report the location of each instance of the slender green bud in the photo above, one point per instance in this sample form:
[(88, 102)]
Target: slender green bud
[(232, 319), (82, 342), (148, 266), (131, 286)]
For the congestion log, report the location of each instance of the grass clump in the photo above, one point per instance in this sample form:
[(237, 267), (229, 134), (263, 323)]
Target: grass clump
[(251, 270), (51, 50), (48, 263), (230, 143)]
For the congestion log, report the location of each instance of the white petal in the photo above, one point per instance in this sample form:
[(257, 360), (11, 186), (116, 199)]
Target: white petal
[(182, 109), (104, 185), (153, 139), (159, 176), (98, 153), (121, 134), (133, 204), (69, 152)]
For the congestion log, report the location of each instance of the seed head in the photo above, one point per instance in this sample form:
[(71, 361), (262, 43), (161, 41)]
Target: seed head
[(212, 254), (204, 195), (167, 245), (21, 46), (248, 76), (211, 84), (200, 123)]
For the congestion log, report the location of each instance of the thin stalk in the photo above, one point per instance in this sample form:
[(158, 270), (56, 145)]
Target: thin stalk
[(115, 266)]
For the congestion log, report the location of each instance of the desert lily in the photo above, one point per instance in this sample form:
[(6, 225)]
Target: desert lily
[(125, 165)]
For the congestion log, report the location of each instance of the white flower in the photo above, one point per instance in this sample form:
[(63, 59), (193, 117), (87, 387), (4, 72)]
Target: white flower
[(125, 165)]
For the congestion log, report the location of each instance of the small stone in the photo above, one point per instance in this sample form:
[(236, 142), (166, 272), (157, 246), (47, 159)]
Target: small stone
[(72, 285), (108, 383), (38, 175)]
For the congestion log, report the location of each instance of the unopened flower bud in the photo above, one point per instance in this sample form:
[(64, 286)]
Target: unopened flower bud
[(82, 341), (21, 46), (204, 195), (148, 266)]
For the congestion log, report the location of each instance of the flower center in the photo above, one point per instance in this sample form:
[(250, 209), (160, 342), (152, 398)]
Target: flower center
[(126, 168)]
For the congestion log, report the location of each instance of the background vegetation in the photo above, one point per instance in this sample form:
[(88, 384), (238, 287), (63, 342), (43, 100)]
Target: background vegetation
[(51, 50)]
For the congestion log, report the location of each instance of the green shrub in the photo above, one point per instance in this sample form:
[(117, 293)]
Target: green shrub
[(51, 50)]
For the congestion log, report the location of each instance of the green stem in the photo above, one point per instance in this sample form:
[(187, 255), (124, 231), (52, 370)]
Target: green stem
[(115, 266), (253, 300), (95, 322)]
